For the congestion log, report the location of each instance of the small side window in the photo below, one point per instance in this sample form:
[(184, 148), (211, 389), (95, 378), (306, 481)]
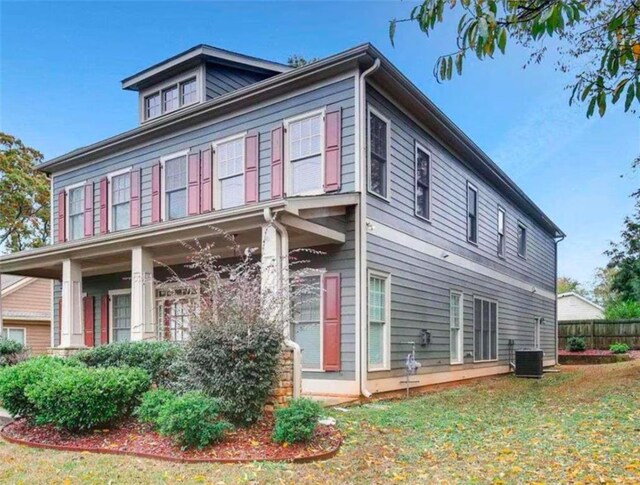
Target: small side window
[(423, 183), (522, 240), (501, 232), (378, 155)]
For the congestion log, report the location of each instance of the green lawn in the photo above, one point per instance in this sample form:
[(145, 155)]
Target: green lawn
[(581, 426)]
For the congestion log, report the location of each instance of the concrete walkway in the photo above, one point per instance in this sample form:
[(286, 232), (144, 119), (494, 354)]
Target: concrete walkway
[(5, 417)]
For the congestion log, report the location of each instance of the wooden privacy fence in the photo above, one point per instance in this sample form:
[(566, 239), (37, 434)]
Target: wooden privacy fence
[(600, 334)]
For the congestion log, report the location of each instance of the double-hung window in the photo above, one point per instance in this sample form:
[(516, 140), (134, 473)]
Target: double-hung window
[(175, 309), (230, 172), (522, 240), (170, 97), (76, 213), (188, 92), (121, 315), (423, 183), (305, 141), (307, 322), (120, 200), (456, 324), (378, 154), (152, 106), (379, 321), (501, 232), (175, 187), (485, 329), (472, 214), (15, 334)]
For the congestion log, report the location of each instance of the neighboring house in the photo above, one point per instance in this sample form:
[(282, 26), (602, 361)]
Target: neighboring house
[(572, 306), (25, 305), (425, 239)]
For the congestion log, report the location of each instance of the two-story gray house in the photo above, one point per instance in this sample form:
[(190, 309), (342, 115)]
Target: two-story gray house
[(425, 239)]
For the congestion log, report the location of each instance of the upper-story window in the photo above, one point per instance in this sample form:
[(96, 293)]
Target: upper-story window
[(188, 92), (522, 240), (423, 183), (152, 106), (170, 97), (230, 172), (305, 141), (472, 214), (175, 187), (378, 154), (76, 213), (501, 231), (120, 201)]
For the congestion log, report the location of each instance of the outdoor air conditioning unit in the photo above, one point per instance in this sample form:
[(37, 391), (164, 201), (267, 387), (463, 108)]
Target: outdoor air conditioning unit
[(529, 363)]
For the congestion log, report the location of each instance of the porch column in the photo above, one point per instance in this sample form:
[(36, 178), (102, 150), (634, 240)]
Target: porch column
[(275, 270), (142, 295), (71, 324)]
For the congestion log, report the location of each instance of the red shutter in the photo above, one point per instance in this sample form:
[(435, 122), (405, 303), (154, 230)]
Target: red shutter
[(62, 216), (331, 323), (277, 163), (155, 193), (193, 189), (134, 205), (332, 159), (88, 321), (88, 209), (104, 206), (206, 184), (251, 158), (104, 320)]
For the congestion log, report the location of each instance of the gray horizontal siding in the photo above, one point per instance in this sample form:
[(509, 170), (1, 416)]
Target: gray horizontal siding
[(224, 79), (332, 96), (447, 228), (420, 290)]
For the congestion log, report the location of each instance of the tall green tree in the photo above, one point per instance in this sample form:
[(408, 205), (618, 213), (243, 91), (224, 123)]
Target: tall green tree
[(598, 40), (603, 293), (625, 258), (566, 284), (24, 197)]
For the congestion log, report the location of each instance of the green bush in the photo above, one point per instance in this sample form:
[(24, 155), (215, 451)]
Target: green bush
[(152, 402), (11, 352), (622, 310), (576, 344), (619, 348), (154, 357), (81, 398), (191, 419), (297, 422), (15, 379)]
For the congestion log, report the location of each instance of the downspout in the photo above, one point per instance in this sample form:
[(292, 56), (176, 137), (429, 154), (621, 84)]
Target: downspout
[(362, 221), (270, 218), (555, 291)]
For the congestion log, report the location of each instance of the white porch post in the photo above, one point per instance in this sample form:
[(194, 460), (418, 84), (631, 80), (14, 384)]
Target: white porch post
[(142, 295), (71, 324), (275, 267)]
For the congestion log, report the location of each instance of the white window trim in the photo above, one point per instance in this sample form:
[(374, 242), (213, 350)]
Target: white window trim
[(387, 197), (319, 272), (196, 284), (491, 300), (177, 80), (461, 330), (537, 333), (287, 159), (67, 213), (22, 329), (422, 148), (502, 255), (386, 364), (475, 189), (526, 237), (217, 192), (163, 174), (112, 293), (110, 197)]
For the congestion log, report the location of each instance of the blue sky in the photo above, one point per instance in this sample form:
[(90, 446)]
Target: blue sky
[(61, 66)]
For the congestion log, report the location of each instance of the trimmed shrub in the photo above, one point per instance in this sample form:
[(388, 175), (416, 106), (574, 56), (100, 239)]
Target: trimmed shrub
[(152, 402), (622, 310), (15, 379), (81, 398), (619, 348), (11, 352), (576, 344), (154, 357), (297, 422), (191, 420)]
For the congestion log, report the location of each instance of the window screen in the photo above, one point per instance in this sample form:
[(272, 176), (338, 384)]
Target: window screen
[(377, 155)]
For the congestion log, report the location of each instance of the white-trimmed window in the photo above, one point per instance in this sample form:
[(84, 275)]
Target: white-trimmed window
[(170, 96), (423, 183), (379, 318), (170, 99), (522, 240), (188, 92), (76, 212), (15, 334), (305, 141), (485, 329), (378, 133), (230, 172), (472, 213), (152, 106), (175, 186), (120, 201), (501, 231), (120, 315), (456, 325), (537, 330), (174, 309), (307, 323)]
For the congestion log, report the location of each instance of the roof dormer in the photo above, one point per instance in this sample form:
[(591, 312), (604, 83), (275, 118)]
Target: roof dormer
[(195, 76)]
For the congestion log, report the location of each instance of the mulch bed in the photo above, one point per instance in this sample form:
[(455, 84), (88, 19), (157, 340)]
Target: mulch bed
[(595, 356), (133, 438)]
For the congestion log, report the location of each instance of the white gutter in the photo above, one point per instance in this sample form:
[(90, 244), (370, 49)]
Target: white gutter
[(362, 221)]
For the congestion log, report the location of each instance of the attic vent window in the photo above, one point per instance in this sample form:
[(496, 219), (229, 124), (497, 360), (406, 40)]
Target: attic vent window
[(170, 98)]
